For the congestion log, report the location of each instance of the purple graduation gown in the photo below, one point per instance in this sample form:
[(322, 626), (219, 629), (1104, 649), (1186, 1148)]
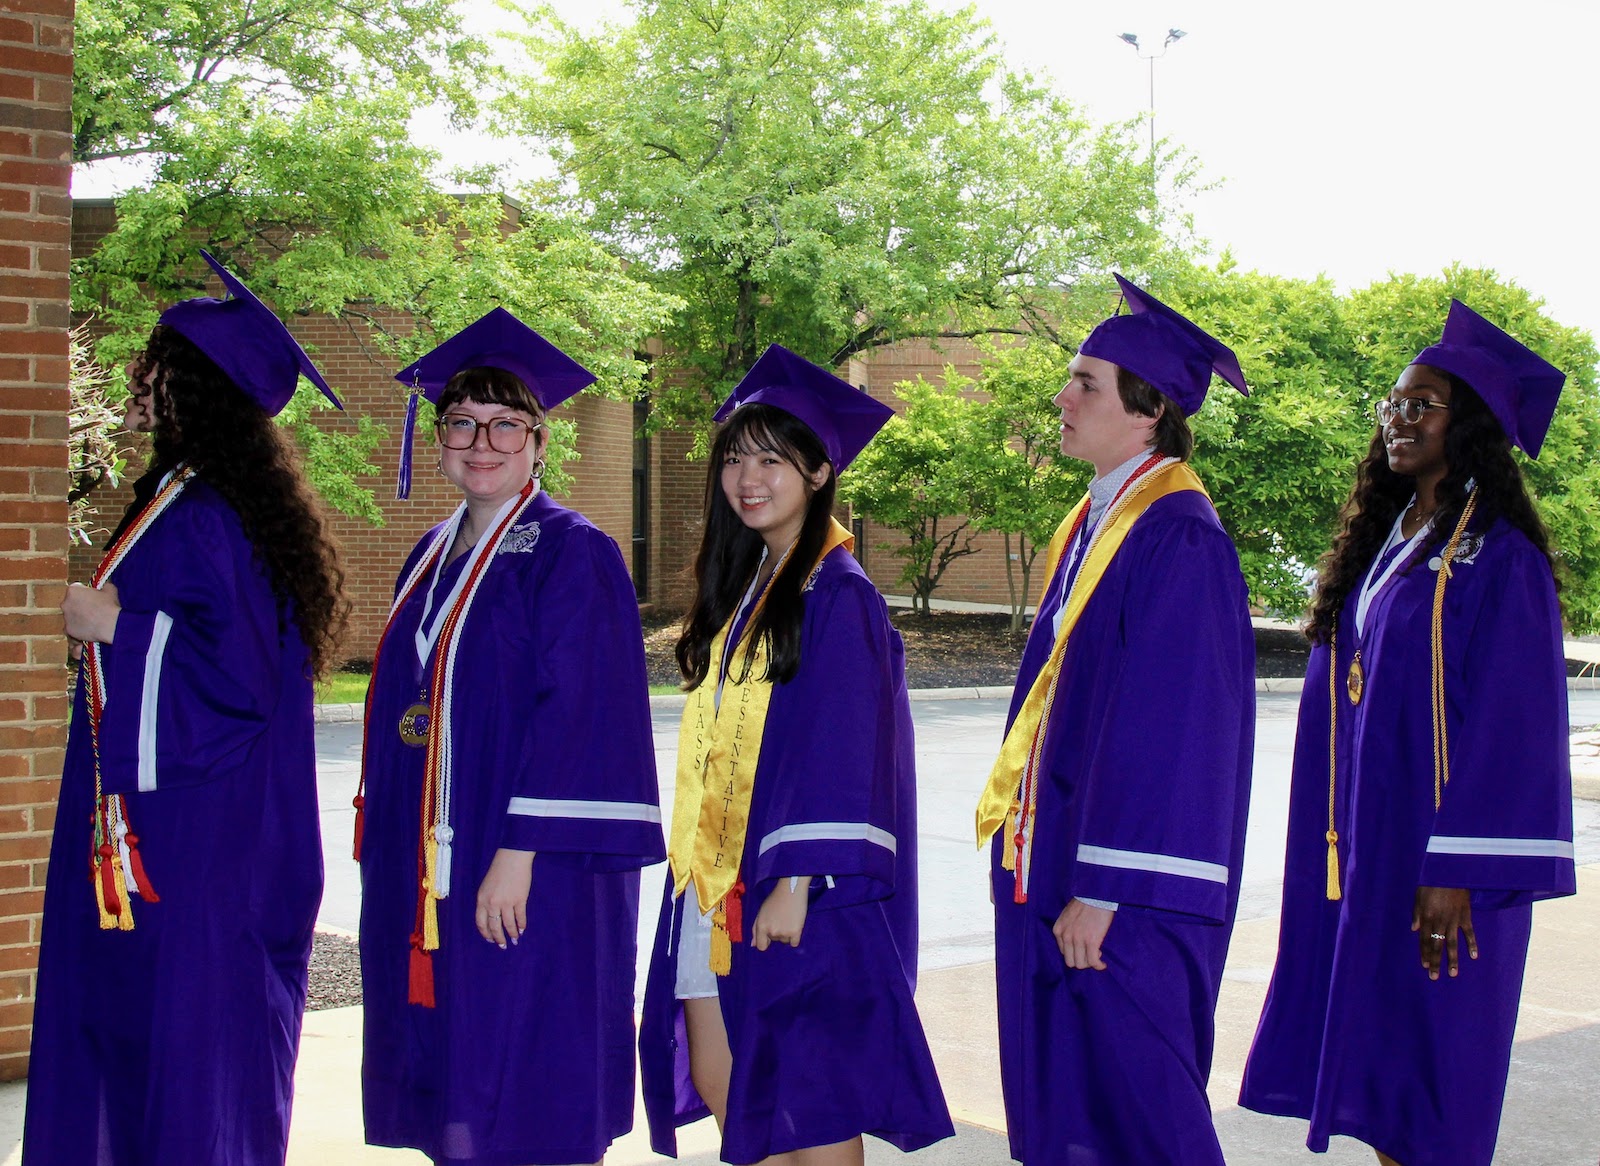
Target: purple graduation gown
[(1354, 1036), (528, 1055), (1143, 797), (825, 1036), (175, 1042)]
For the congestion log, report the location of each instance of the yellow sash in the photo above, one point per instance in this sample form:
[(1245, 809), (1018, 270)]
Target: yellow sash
[(717, 754), (1019, 755)]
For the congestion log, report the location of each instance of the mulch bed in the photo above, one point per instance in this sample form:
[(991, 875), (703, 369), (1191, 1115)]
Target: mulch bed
[(959, 650)]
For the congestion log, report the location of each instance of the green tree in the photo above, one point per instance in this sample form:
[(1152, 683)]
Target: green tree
[(1277, 463), (918, 477), (277, 135), (1028, 486), (832, 175)]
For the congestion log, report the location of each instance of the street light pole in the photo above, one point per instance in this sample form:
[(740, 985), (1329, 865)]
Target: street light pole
[(1174, 35)]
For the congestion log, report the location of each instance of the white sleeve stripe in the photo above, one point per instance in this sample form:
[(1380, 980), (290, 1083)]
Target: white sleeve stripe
[(593, 811), (148, 701), (829, 832), (1502, 847), (1189, 868)]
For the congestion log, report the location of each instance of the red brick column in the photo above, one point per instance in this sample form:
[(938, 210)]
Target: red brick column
[(35, 244)]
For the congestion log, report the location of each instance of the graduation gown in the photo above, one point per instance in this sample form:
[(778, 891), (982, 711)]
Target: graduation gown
[(175, 1042), (825, 1036), (1354, 1036), (528, 1055), (1143, 795)]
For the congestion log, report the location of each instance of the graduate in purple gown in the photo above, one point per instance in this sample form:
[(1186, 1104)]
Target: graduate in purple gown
[(1416, 850), (780, 990), (1118, 803), (186, 866), (510, 793)]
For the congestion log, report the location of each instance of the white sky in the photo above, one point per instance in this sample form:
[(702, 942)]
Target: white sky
[(1350, 137)]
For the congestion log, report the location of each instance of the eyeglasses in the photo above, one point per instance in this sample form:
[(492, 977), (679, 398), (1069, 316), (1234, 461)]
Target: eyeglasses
[(506, 434), (1408, 409)]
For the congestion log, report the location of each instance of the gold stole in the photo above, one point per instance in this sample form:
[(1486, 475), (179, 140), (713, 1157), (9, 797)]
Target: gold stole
[(1019, 755), (717, 754)]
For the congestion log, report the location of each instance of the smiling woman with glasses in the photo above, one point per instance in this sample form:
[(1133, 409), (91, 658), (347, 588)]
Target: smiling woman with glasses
[(1431, 802), (507, 716)]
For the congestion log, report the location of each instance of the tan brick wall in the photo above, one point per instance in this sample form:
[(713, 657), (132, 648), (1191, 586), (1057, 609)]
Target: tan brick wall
[(35, 237)]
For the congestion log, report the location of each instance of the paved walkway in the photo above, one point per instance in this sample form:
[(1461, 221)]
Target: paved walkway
[(1551, 1102)]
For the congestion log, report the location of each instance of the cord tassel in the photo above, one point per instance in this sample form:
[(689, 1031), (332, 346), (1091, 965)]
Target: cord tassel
[(733, 913), (141, 881), (1334, 894), (419, 976), (360, 803), (105, 890)]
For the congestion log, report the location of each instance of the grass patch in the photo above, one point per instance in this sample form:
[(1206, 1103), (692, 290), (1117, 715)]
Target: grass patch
[(351, 688), (343, 688)]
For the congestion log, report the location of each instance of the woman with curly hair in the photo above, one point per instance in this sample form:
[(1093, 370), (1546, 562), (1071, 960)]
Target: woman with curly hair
[(780, 990), (172, 980), (1431, 803)]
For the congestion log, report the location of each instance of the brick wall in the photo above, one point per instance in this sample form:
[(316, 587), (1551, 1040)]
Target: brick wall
[(35, 236)]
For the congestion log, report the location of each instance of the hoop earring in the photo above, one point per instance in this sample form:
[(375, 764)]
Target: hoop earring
[(538, 470)]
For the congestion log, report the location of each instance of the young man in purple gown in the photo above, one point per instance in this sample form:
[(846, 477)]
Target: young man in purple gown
[(1118, 804)]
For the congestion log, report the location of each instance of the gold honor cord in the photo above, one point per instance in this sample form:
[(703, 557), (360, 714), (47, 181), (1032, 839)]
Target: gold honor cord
[(1333, 892), (1441, 743), (1025, 740), (717, 754)]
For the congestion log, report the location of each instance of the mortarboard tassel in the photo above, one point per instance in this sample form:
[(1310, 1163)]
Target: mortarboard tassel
[(407, 440)]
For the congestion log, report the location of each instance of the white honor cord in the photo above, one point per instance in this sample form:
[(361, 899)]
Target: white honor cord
[(1374, 583), (492, 537)]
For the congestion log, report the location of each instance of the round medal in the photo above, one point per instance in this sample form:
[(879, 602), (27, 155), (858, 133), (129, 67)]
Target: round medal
[(414, 724), (1356, 681)]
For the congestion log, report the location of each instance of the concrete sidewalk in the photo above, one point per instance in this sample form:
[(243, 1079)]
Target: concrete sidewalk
[(1550, 1113)]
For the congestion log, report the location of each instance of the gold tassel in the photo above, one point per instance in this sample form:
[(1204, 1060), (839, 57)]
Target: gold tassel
[(430, 902), (120, 881), (721, 945), (1334, 894)]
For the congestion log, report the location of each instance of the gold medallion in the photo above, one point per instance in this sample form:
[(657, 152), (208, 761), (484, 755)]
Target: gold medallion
[(1357, 679), (414, 724)]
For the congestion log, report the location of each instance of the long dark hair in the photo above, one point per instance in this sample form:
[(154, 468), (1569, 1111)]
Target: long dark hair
[(204, 419), (730, 550), (1475, 449)]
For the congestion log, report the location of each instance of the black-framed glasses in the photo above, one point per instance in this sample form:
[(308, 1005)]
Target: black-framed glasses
[(1408, 409), (506, 434)]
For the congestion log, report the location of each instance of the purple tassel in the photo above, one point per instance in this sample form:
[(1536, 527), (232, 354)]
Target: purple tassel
[(403, 487)]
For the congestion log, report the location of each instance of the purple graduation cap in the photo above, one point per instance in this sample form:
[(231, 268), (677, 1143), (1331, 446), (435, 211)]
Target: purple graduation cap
[(245, 339), (497, 340), (843, 417), (1165, 349), (1519, 386)]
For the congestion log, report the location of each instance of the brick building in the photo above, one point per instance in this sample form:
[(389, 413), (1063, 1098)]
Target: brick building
[(643, 491), (35, 226)]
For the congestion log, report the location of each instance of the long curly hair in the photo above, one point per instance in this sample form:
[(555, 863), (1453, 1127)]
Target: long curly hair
[(205, 420), (1476, 450), (730, 550)]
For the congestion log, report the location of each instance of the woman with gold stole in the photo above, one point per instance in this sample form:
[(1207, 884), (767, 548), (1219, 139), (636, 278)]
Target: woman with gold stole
[(173, 978), (780, 991), (1431, 803), (510, 793)]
